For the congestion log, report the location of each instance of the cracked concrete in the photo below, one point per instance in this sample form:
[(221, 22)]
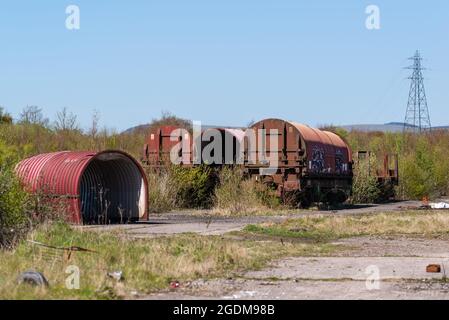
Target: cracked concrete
[(399, 262)]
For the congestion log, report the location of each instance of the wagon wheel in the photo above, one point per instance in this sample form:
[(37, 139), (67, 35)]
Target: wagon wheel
[(334, 198), (305, 200)]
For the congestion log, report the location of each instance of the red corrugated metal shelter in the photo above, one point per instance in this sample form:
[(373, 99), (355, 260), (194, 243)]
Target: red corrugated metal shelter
[(92, 187)]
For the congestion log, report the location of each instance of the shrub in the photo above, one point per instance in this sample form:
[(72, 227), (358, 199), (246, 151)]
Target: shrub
[(235, 194), (194, 186), (365, 188), (162, 192), (14, 222)]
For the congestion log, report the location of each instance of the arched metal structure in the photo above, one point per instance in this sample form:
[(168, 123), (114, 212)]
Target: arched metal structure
[(91, 187)]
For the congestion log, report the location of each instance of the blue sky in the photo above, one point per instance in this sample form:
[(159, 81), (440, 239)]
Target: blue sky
[(222, 62)]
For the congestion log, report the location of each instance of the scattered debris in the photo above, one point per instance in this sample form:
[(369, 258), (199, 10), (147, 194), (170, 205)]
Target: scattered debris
[(33, 278), (175, 284), (433, 268), (426, 206), (439, 205), (67, 250), (73, 248), (117, 275)]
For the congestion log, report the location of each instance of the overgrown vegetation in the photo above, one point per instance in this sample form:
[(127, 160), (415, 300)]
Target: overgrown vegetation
[(365, 187), (147, 265), (162, 192), (325, 228), (5, 117), (236, 195), (14, 204), (195, 186), (227, 191), (181, 188), (423, 164), (33, 133)]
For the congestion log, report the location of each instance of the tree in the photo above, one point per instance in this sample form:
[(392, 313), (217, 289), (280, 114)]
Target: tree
[(66, 121), (169, 119), (93, 130), (33, 115), (5, 117)]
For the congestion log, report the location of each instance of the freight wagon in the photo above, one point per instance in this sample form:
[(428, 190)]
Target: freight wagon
[(167, 145), (312, 165), (303, 164)]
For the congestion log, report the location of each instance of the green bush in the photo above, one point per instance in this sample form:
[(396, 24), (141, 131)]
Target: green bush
[(365, 188), (423, 161), (14, 220), (194, 186)]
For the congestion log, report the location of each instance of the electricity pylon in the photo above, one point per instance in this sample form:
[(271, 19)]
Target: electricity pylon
[(417, 118)]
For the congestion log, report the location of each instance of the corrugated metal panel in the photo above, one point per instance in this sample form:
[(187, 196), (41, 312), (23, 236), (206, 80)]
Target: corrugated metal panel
[(88, 183)]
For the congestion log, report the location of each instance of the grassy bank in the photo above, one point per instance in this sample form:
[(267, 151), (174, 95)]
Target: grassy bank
[(325, 228), (148, 265)]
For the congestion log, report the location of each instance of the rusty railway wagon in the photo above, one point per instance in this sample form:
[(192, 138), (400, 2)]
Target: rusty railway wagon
[(160, 143), (385, 168), (303, 164), (312, 164), (166, 143)]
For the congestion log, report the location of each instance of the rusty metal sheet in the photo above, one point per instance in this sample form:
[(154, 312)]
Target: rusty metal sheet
[(159, 145)]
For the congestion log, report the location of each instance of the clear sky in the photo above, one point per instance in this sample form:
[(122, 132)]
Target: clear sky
[(223, 62)]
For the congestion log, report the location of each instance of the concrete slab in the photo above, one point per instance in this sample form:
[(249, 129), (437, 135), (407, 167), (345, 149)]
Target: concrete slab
[(352, 268)]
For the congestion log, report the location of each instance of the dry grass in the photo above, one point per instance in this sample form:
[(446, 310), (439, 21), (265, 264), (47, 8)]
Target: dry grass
[(148, 265), (236, 195), (426, 223), (161, 192)]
